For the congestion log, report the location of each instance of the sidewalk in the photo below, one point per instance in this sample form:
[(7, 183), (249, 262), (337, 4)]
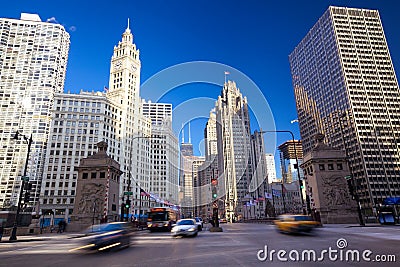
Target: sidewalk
[(358, 225), (40, 237)]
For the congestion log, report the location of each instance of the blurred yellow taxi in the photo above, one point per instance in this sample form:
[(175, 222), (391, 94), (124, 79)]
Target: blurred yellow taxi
[(291, 223)]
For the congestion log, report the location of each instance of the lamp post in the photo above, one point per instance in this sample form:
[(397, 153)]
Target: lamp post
[(29, 140), (297, 163)]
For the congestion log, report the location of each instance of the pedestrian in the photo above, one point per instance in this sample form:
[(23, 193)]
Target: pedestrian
[(64, 226), (60, 226), (1, 231)]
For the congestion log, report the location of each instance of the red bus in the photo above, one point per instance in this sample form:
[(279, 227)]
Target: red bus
[(161, 218)]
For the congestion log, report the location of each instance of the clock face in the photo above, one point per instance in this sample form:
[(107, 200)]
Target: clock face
[(133, 67), (118, 64)]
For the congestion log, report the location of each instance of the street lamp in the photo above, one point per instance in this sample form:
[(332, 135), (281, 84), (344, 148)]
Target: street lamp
[(29, 140), (297, 163)]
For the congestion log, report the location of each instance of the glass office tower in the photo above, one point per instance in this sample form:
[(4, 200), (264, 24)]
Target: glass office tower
[(346, 88)]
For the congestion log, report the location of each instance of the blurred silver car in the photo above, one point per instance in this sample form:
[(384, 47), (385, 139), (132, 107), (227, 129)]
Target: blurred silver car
[(105, 236), (185, 227)]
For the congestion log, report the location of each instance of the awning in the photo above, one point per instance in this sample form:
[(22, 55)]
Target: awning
[(392, 201)]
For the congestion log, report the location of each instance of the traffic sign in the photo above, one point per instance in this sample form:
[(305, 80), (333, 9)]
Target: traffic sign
[(128, 193), (25, 178)]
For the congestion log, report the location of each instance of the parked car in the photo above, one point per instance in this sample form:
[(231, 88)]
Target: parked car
[(105, 236), (185, 227), (199, 222), (291, 223)]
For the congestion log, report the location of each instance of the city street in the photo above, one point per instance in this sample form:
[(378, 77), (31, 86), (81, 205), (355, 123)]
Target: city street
[(238, 245)]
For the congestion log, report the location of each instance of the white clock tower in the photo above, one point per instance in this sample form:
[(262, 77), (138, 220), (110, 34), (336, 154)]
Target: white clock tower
[(130, 127)]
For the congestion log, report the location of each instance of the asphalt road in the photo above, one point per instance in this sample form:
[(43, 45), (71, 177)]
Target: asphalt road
[(238, 245)]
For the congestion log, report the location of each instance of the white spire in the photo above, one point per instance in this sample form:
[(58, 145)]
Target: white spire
[(128, 30)]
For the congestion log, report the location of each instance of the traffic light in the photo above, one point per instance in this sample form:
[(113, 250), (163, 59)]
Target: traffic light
[(301, 184), (214, 182), (128, 203), (28, 188), (214, 192), (351, 188), (27, 196)]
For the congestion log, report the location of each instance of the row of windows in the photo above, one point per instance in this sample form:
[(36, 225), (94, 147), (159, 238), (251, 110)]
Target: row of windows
[(79, 103), (323, 167), (72, 138)]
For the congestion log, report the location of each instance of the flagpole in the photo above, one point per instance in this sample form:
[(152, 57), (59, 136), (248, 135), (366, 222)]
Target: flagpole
[(283, 197), (226, 73), (273, 205)]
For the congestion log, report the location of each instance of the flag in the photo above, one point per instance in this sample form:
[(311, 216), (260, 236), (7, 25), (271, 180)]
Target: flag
[(268, 195), (105, 89), (276, 193), (227, 72), (143, 193)]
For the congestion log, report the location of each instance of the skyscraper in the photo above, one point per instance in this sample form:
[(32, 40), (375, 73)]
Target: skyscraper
[(290, 154), (210, 137), (164, 152), (234, 147), (346, 88), (130, 139), (33, 61), (271, 171)]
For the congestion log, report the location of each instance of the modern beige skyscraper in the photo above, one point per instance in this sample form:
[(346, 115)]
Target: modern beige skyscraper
[(33, 61), (346, 88)]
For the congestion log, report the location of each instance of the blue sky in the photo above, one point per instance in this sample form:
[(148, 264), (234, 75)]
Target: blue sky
[(253, 37)]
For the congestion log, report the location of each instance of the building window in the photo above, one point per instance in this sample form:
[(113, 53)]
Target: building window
[(85, 175), (330, 166), (321, 167), (339, 166), (102, 175), (93, 175)]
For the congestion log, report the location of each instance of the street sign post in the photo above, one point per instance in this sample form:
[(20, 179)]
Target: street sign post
[(128, 193)]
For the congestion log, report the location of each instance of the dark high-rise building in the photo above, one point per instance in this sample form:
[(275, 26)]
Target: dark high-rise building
[(346, 88)]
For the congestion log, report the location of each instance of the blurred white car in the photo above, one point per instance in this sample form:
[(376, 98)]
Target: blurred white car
[(185, 227)]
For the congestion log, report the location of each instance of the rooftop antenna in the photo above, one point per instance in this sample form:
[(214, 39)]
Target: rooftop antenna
[(183, 134), (190, 139), (128, 24)]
